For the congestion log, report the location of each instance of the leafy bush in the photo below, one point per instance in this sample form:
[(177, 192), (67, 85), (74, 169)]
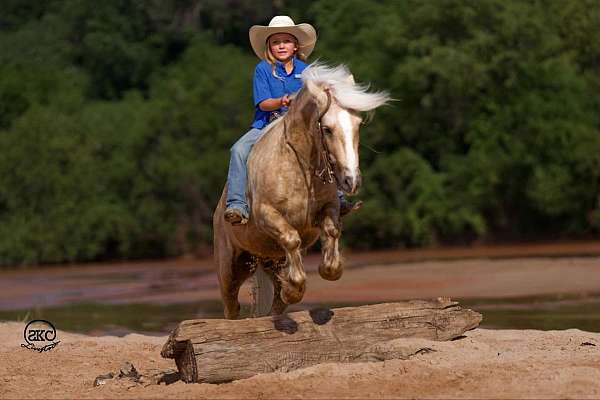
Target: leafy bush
[(116, 120)]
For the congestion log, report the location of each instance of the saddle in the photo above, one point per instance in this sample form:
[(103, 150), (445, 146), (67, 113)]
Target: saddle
[(275, 115)]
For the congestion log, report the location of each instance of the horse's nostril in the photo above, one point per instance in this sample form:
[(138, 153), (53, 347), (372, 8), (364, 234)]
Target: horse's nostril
[(348, 182)]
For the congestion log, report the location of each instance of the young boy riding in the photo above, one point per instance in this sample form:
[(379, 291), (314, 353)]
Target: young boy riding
[(283, 48)]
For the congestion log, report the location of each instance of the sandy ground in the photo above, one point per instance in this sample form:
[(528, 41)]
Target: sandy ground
[(484, 364)]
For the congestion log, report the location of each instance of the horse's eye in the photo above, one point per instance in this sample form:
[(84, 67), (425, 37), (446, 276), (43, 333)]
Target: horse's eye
[(327, 131)]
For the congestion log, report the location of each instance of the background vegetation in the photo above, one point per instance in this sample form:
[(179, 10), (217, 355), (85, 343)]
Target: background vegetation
[(116, 118)]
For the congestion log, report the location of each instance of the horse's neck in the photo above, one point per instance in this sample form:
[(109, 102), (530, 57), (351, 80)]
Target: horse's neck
[(300, 138), (299, 125)]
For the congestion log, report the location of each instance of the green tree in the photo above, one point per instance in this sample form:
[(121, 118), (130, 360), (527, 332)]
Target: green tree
[(491, 101)]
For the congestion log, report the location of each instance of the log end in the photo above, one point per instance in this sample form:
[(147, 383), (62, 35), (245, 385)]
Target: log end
[(177, 341), (186, 364)]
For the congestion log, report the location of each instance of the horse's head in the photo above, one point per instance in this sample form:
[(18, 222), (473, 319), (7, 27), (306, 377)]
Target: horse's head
[(339, 102)]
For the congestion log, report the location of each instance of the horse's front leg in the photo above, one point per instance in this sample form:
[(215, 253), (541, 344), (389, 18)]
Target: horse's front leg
[(331, 267), (292, 277)]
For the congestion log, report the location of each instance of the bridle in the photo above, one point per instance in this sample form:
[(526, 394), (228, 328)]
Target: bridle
[(324, 170)]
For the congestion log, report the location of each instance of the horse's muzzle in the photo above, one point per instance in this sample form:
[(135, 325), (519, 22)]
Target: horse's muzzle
[(350, 182)]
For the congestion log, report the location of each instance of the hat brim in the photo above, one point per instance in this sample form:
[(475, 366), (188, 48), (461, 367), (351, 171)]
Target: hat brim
[(305, 33)]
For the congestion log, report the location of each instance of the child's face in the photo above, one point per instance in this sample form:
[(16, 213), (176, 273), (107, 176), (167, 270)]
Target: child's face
[(283, 46)]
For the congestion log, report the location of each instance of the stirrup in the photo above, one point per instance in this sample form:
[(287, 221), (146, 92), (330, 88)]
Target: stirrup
[(234, 217)]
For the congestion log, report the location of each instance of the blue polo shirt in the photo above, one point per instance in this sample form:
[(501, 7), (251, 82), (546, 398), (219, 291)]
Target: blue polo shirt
[(267, 86)]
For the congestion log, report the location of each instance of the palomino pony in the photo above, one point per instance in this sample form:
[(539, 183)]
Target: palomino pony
[(293, 173)]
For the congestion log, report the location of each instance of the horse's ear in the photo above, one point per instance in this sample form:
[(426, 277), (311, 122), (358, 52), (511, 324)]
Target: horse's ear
[(318, 93)]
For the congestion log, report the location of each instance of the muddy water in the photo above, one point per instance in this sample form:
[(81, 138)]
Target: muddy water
[(524, 287), (542, 313)]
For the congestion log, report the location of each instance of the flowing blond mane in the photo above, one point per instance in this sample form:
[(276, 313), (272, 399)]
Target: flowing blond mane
[(347, 93)]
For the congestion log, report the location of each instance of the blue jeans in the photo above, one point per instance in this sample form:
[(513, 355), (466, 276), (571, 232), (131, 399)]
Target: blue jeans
[(237, 176)]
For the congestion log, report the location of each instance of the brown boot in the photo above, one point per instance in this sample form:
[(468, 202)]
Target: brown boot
[(235, 216), (347, 207)]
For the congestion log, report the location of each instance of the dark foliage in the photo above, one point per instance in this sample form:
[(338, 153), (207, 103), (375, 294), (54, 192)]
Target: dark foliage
[(116, 119)]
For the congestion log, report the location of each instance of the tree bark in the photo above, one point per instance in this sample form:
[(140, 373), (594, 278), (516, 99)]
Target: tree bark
[(216, 350)]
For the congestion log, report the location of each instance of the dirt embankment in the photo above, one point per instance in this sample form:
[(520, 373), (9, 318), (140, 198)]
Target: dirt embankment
[(368, 277), (484, 364)]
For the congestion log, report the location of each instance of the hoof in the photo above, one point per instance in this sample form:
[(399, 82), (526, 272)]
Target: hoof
[(292, 294), (331, 273)]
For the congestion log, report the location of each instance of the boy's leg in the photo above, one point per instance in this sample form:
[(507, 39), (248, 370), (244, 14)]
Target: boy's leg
[(236, 205)]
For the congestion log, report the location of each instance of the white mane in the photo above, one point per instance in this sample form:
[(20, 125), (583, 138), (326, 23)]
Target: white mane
[(347, 93)]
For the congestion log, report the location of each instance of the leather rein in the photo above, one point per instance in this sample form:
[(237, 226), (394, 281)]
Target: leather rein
[(324, 170)]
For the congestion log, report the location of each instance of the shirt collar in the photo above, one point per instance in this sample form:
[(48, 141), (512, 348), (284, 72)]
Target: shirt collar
[(280, 69)]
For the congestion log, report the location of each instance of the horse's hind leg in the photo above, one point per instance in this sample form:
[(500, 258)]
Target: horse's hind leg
[(331, 266), (233, 272), (227, 284), (271, 268)]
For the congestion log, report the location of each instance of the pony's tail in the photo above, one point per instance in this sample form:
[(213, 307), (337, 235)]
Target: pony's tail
[(262, 293)]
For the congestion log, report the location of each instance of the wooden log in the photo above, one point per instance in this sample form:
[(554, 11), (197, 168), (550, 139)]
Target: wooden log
[(217, 350)]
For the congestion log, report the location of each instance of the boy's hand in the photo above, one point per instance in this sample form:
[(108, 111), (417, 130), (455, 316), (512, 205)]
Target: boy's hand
[(285, 101)]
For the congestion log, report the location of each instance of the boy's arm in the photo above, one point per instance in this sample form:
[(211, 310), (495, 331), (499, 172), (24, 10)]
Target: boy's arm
[(273, 104)]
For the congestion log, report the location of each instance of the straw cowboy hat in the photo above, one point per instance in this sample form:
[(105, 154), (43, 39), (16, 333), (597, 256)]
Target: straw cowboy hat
[(305, 33)]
